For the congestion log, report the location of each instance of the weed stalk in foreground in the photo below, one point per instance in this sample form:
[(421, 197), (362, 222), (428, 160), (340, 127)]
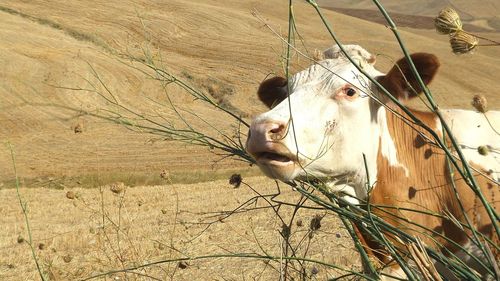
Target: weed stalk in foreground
[(24, 207)]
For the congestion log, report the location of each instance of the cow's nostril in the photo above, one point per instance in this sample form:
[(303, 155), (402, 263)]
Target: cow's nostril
[(278, 129), (276, 133)]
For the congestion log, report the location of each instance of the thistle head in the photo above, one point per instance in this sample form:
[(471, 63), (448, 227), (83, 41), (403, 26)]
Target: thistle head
[(448, 21), (480, 103), (461, 42)]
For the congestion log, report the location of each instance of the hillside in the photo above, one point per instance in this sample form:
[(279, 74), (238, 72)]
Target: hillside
[(52, 44), (481, 14)]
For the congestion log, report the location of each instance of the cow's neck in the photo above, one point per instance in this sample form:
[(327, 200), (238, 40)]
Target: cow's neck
[(392, 152), (409, 168), (396, 154), (382, 144)]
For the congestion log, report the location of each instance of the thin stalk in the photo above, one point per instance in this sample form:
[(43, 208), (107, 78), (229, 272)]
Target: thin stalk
[(25, 213), (360, 215), (361, 250), (237, 255)]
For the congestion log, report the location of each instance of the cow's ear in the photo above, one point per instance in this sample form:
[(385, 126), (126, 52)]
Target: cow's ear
[(272, 91), (401, 82)]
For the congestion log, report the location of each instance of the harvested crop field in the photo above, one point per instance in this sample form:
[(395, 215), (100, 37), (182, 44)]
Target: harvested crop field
[(101, 197), (90, 231)]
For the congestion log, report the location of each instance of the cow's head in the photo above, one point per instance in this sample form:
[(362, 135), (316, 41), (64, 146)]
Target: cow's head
[(324, 119)]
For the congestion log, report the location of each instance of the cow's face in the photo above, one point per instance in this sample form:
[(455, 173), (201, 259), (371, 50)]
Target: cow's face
[(326, 123)]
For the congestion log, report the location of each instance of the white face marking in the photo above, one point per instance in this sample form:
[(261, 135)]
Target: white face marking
[(333, 122), (387, 146)]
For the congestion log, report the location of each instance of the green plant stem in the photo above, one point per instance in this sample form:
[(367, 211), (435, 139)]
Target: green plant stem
[(25, 213), (359, 247), (359, 215)]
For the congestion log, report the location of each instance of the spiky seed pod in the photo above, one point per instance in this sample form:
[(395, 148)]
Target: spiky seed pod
[(182, 265), (165, 175), (315, 223), (117, 187), (285, 231), (67, 258), (480, 103), (483, 150), (462, 42), (448, 21), (235, 180), (70, 195)]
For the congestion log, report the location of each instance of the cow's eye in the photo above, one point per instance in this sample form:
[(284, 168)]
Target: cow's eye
[(350, 92)]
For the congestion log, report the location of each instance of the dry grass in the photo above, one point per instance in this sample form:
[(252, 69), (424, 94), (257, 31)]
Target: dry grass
[(145, 224), (156, 177)]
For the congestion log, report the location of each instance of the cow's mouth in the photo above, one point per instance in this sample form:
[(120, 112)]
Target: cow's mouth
[(275, 158)]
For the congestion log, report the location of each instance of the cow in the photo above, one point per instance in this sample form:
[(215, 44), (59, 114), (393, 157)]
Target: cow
[(331, 123)]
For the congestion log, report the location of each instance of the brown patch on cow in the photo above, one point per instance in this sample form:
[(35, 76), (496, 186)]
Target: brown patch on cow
[(401, 82), (428, 153), (419, 141), (272, 91), (412, 192), (426, 169)]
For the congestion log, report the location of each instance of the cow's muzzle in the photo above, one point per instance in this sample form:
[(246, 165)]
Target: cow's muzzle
[(265, 144)]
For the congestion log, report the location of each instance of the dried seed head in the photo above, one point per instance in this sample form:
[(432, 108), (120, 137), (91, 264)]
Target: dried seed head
[(448, 21), (78, 128), (67, 258), (70, 195), (165, 175), (235, 180), (315, 223), (20, 239), (480, 103), (483, 150), (462, 42), (182, 265), (285, 231), (117, 187)]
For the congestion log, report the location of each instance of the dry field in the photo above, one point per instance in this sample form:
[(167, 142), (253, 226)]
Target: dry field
[(49, 46), (99, 231)]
